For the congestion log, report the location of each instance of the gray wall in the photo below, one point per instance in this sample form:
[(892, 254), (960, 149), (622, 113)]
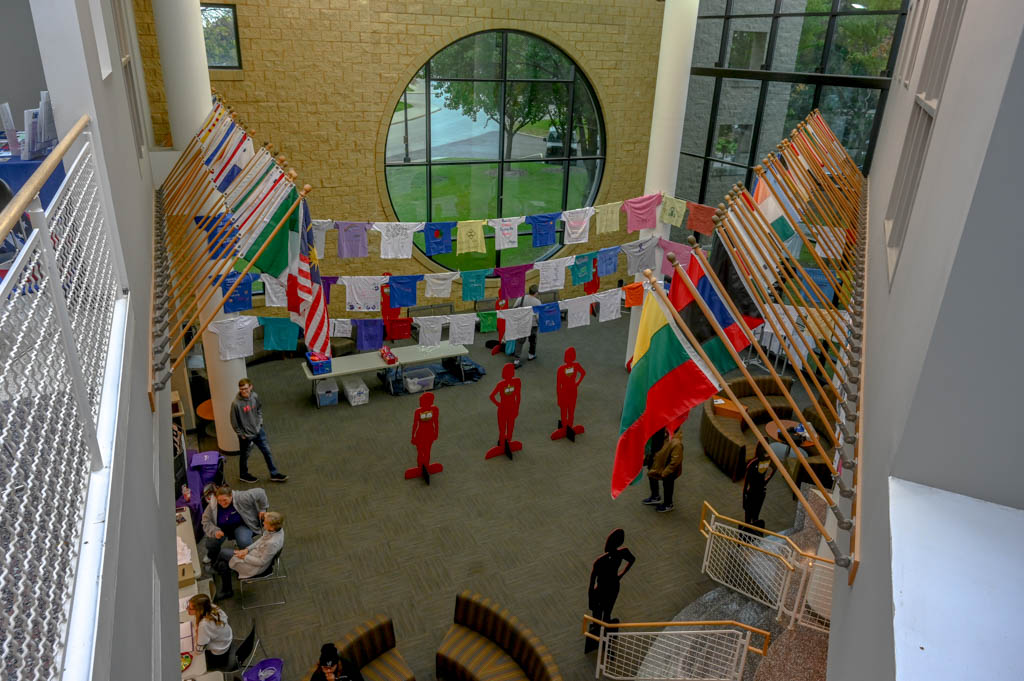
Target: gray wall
[(140, 544), (935, 345), (21, 78)]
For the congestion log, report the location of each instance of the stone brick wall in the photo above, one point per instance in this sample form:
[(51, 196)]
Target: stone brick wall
[(321, 79)]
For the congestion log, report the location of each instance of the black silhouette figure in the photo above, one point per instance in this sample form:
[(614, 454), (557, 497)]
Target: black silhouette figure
[(604, 580)]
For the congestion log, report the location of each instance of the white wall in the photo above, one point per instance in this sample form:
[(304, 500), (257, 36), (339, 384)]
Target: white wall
[(21, 78), (140, 534), (932, 366)]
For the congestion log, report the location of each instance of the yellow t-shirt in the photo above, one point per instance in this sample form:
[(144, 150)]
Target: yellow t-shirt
[(470, 237)]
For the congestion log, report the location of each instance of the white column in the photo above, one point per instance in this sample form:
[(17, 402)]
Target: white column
[(179, 32), (678, 27), (222, 375)]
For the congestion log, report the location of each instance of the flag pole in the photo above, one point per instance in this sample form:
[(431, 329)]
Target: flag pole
[(835, 171), (794, 447), (841, 560), (835, 201), (802, 175)]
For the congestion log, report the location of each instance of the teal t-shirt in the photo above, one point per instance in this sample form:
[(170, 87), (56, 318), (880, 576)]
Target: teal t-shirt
[(279, 334)]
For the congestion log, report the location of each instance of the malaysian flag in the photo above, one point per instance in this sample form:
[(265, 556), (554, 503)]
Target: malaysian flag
[(306, 303)]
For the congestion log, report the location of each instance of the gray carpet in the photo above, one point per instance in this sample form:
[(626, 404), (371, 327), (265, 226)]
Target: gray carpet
[(361, 540)]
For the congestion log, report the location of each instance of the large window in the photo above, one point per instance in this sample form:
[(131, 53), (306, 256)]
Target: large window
[(497, 124), (760, 66), (220, 31)]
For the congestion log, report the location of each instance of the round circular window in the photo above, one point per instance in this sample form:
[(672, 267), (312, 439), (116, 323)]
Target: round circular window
[(497, 124)]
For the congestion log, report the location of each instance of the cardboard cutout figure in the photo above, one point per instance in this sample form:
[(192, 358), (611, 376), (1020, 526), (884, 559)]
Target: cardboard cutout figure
[(506, 397), (499, 304), (425, 428), (567, 382), (604, 581), (387, 312)]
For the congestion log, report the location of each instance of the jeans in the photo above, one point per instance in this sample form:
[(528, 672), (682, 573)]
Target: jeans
[(215, 548), (245, 447), (520, 342), (668, 484)]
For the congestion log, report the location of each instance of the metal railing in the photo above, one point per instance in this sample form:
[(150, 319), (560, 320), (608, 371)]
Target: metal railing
[(673, 651), (58, 315)]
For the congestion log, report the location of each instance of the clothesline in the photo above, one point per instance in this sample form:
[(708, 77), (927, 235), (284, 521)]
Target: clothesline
[(236, 340)]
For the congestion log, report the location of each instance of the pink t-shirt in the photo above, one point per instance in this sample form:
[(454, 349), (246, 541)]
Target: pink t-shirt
[(641, 212)]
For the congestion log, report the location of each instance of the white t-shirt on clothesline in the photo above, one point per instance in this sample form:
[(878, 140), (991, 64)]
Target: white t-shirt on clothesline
[(234, 336)]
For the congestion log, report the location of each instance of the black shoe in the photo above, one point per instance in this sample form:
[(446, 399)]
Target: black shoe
[(570, 433), (508, 450), (223, 595), (652, 501), (664, 508), (278, 477), (249, 477)]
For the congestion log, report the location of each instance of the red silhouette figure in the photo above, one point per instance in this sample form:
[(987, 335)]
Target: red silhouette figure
[(425, 428), (567, 383), (500, 304), (506, 397), (388, 313)]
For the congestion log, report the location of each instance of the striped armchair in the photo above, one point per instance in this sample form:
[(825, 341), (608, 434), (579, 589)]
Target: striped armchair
[(371, 646), (487, 643)]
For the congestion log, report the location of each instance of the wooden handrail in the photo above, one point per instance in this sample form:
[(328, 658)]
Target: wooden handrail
[(708, 507), (19, 204), (707, 623)]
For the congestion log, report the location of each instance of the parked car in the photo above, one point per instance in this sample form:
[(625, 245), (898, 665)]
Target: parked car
[(555, 146)]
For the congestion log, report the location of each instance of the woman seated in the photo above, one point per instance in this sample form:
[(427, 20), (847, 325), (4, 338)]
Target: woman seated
[(210, 630), (255, 559), (332, 667)]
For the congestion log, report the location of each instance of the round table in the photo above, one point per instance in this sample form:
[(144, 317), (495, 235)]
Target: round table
[(205, 412), (819, 467), (771, 429)]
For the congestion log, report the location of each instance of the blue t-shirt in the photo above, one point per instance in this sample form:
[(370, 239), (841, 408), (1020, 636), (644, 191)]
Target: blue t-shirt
[(279, 334), (369, 334), (403, 289), (543, 228), (549, 317), (437, 237), (607, 261), (241, 297), (473, 284), (582, 270)]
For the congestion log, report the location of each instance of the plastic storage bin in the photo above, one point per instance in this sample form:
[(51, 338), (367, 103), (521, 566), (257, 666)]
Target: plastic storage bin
[(326, 392), (269, 669), (356, 391), (418, 380), (316, 368)]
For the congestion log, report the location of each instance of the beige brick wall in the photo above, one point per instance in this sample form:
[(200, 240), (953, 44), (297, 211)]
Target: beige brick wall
[(321, 79)]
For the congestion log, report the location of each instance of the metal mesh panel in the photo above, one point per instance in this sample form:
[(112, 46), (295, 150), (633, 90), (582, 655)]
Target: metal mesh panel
[(44, 466), (86, 266), (734, 560), (816, 605), (702, 655)]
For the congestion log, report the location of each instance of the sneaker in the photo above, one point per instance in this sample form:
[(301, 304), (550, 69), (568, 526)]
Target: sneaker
[(652, 501), (664, 508), (206, 559), (278, 477), (531, 356), (248, 477), (517, 364)]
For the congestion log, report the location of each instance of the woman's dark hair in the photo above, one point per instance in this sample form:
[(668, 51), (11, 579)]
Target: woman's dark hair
[(616, 539), (328, 654)]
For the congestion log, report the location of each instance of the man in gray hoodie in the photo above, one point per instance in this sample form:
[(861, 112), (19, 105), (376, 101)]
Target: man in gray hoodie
[(247, 420)]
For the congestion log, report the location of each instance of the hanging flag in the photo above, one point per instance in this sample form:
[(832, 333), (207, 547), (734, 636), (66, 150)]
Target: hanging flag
[(667, 380), (694, 317), (274, 259), (306, 287), (776, 217)]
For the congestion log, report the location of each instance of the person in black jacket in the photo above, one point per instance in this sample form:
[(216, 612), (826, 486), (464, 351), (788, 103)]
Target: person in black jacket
[(759, 471), (333, 667)]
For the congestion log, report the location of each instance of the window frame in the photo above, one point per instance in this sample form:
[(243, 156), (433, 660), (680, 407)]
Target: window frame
[(238, 39), (567, 159)]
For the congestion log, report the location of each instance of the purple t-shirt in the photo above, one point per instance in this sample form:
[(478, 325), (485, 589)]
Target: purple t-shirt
[(352, 239), (228, 519), (513, 280), (369, 334)]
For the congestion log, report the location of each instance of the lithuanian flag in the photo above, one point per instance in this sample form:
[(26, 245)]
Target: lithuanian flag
[(667, 380)]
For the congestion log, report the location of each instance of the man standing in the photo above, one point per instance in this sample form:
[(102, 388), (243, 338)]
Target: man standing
[(247, 420), (759, 471), (529, 300)]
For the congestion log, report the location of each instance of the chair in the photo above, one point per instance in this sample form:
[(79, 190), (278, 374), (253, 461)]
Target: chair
[(244, 653), (272, 573)]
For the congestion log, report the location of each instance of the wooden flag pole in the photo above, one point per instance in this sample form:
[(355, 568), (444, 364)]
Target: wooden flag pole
[(841, 560), (837, 172), (206, 299), (799, 174), (702, 304), (780, 330), (184, 162), (817, 175), (854, 170)]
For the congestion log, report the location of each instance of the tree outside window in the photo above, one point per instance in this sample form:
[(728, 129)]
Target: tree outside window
[(220, 32)]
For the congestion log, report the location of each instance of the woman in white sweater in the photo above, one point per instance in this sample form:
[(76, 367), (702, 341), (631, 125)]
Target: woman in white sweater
[(212, 632)]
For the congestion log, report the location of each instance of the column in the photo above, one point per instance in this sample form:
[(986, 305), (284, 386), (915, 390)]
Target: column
[(222, 375), (179, 31), (678, 27)]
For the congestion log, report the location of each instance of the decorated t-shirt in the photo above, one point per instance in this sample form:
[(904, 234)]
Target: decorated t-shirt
[(403, 289), (641, 212), (609, 302), (352, 239), (518, 322), (396, 238), (430, 329), (682, 252), (640, 255), (513, 280), (672, 210), (488, 321), (506, 232), (552, 273), (608, 217), (234, 336), (549, 317), (462, 329), (470, 237), (437, 238), (241, 298), (325, 284), (543, 228), (607, 261), (341, 328), (362, 294), (473, 284), (369, 334), (582, 269), (634, 293), (439, 285), (279, 334), (577, 225), (320, 228), (274, 291), (578, 311), (398, 328), (699, 219)]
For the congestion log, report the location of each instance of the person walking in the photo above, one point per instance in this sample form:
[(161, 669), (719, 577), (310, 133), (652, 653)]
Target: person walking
[(667, 466), (755, 482), (529, 300), (247, 421)]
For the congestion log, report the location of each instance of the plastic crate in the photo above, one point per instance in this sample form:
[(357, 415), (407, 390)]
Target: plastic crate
[(316, 368), (356, 391), (326, 392), (418, 380)]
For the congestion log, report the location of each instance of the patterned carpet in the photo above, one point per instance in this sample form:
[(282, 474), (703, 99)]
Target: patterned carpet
[(361, 540)]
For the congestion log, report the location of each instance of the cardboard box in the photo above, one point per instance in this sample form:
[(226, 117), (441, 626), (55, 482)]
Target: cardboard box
[(186, 575)]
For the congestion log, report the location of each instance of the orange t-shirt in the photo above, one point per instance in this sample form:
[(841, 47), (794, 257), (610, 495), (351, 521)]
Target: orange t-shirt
[(634, 293)]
